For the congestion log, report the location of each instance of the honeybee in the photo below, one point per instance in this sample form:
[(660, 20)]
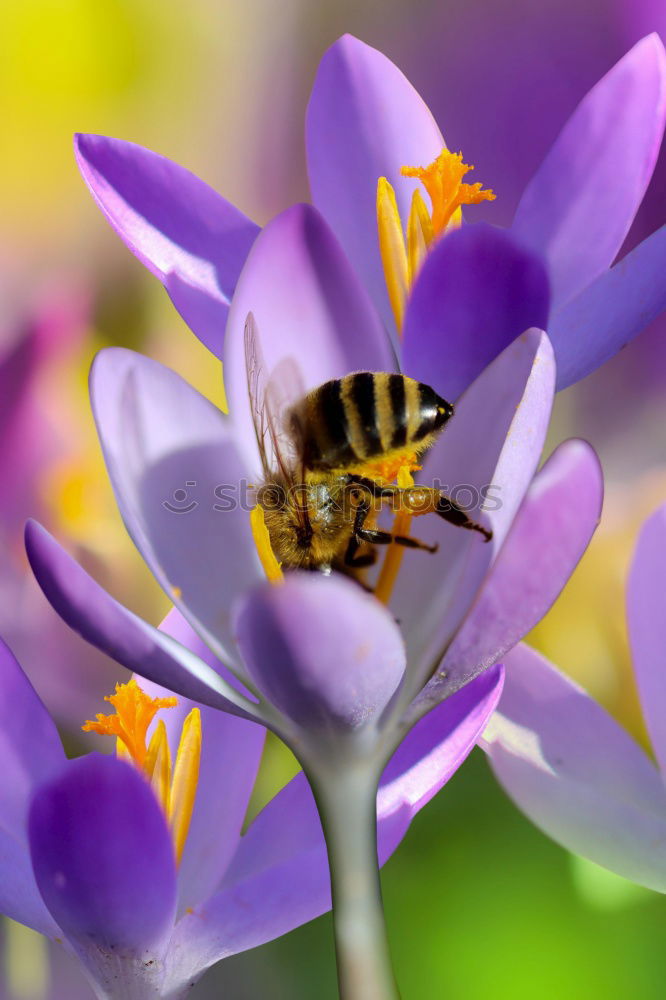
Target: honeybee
[(335, 453)]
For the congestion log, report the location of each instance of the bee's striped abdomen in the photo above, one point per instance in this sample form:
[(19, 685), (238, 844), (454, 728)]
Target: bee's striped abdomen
[(367, 415)]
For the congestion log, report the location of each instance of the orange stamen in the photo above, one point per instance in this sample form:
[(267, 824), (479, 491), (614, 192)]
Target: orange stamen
[(135, 711), (442, 179), (404, 251)]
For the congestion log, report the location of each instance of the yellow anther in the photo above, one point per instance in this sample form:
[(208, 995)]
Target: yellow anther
[(157, 766), (442, 179), (262, 539), (419, 235), (185, 778), (392, 249), (393, 558), (135, 710)]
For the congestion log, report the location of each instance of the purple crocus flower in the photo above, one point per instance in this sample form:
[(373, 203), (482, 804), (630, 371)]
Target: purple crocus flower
[(365, 122), (321, 662), (87, 857), (568, 765)]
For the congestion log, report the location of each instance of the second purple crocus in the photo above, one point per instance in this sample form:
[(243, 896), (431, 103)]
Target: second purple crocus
[(573, 769), (89, 858)]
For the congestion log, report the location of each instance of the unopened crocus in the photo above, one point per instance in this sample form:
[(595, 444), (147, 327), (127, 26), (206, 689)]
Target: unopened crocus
[(139, 868), (569, 765), (323, 663), (372, 148)]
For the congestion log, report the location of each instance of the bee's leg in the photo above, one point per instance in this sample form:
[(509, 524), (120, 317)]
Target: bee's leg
[(419, 500), (377, 537), (374, 489), (356, 539), (358, 561), (451, 512)]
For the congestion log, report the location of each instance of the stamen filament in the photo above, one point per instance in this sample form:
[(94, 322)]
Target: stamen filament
[(393, 558), (185, 777)]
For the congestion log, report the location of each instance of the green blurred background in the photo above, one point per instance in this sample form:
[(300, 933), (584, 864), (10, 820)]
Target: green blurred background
[(479, 903)]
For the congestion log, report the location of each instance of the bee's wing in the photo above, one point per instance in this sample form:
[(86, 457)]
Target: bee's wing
[(255, 370), (285, 388), (271, 398)]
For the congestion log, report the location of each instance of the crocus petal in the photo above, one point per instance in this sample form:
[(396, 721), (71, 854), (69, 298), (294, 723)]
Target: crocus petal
[(549, 535), (364, 121), (102, 854), (646, 612), (230, 754), (193, 240), (180, 484), (100, 620), (19, 896), (477, 291), (579, 206), (576, 773), (308, 306), (323, 651), (279, 877), (490, 449), (30, 747), (426, 758), (616, 307), (262, 907)]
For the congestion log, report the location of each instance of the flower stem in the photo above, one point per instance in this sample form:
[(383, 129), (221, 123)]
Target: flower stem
[(346, 800)]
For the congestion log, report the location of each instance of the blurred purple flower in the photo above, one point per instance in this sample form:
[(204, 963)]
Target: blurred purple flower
[(34, 439), (365, 121), (28, 442), (568, 765), (86, 852)]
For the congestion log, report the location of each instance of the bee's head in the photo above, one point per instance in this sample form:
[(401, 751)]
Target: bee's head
[(287, 518)]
